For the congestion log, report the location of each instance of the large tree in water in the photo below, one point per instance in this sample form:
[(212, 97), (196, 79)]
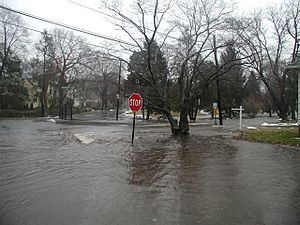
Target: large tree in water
[(189, 64)]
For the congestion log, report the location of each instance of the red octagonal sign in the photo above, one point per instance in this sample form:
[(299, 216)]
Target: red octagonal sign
[(135, 102)]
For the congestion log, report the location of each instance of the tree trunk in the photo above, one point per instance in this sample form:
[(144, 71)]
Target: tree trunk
[(44, 89), (293, 111), (229, 113), (270, 112), (143, 112), (6, 51), (173, 122), (44, 102), (283, 110), (282, 113), (184, 123), (60, 105), (148, 113), (2, 66), (193, 112), (62, 83), (104, 94), (43, 108), (104, 99)]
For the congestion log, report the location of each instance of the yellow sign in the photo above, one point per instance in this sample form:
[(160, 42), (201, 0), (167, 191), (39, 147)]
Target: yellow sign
[(215, 112)]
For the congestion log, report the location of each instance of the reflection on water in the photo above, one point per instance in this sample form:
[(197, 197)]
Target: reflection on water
[(49, 177)]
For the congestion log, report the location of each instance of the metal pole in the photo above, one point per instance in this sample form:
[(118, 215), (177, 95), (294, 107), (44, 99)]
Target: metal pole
[(240, 117), (298, 110), (118, 95), (241, 114), (44, 92), (66, 112), (133, 126), (219, 101), (217, 80), (215, 119), (71, 111), (143, 111)]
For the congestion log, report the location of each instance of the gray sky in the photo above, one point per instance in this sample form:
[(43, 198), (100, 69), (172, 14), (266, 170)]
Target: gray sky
[(64, 11), (68, 13)]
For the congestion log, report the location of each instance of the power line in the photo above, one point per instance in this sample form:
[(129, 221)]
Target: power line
[(42, 32), (113, 17), (17, 25), (67, 26)]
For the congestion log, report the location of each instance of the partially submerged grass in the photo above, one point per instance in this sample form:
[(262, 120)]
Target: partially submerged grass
[(284, 136)]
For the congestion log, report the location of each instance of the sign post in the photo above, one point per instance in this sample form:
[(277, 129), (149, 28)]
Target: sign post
[(135, 103), (215, 111), (241, 110)]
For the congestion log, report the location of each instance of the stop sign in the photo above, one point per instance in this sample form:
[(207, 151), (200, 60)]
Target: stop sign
[(135, 102)]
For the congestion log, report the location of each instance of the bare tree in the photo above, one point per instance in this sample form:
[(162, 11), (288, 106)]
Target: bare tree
[(264, 38), (192, 52), (47, 72), (101, 72), (69, 52), (199, 21), (13, 36), (292, 8), (142, 28)]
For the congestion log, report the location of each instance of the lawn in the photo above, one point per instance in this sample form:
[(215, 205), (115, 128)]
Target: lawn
[(284, 136)]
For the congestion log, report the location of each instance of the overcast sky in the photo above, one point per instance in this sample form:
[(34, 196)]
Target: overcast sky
[(68, 13)]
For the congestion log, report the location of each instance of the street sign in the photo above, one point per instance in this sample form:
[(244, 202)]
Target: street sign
[(241, 110), (215, 111), (215, 105), (135, 102)]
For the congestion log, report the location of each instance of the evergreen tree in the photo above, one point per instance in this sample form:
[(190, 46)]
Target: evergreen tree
[(12, 89), (149, 85), (253, 101), (232, 82)]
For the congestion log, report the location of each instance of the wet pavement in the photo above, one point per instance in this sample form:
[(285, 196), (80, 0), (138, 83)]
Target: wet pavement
[(48, 176)]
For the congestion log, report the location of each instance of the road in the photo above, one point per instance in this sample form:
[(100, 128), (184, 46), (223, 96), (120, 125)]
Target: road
[(48, 176)]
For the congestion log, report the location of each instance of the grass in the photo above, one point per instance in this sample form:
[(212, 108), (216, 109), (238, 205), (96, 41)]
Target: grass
[(284, 136)]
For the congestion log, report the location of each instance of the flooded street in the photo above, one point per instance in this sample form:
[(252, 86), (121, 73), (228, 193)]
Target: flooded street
[(48, 176)]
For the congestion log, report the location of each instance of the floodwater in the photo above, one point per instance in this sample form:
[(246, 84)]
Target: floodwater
[(47, 176)]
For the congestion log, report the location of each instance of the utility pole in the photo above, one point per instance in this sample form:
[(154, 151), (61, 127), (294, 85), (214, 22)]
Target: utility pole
[(118, 95), (44, 91), (218, 84)]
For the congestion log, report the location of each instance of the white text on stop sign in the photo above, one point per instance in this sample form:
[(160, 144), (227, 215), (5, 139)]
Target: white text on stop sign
[(135, 102)]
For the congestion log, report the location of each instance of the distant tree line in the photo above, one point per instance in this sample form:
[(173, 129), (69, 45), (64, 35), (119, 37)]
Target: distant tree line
[(178, 64)]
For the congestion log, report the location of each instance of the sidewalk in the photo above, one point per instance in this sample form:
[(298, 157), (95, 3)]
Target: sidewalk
[(108, 119)]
